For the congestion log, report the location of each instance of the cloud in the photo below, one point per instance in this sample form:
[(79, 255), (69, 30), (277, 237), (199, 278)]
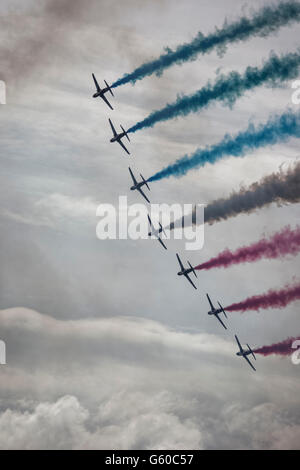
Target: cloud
[(147, 422), (34, 36), (63, 205), (51, 209), (66, 424), (137, 338), (268, 427), (146, 386), (56, 425)]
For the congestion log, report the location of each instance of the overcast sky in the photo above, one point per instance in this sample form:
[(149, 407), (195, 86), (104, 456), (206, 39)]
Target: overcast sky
[(106, 346)]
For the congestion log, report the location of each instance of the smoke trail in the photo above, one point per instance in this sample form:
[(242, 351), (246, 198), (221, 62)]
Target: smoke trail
[(28, 38), (282, 243), (284, 348), (281, 188), (277, 299), (227, 88), (277, 129), (262, 23)]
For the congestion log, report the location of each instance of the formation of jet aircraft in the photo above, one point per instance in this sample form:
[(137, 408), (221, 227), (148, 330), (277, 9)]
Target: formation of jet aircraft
[(138, 185), (186, 271), (216, 311), (245, 352)]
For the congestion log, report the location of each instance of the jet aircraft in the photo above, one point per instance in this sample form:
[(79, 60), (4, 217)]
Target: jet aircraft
[(155, 232), (186, 271), (101, 92), (138, 186), (245, 352), (118, 137), (216, 311)]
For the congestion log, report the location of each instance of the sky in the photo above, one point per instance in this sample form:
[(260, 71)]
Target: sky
[(107, 348)]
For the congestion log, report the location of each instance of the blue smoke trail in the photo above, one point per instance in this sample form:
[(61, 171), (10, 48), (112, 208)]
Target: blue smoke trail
[(262, 23), (277, 129), (227, 88)]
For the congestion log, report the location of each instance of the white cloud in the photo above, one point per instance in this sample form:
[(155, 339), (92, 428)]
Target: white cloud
[(133, 383), (61, 205), (66, 424), (58, 425), (151, 337)]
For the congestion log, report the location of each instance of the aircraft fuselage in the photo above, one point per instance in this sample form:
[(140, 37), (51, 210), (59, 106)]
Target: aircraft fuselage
[(186, 271), (137, 186), (155, 233), (244, 353), (215, 311), (117, 137), (100, 93)]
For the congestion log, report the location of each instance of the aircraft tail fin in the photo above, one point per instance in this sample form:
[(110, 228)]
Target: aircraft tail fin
[(109, 88), (251, 351), (144, 181), (192, 268), (125, 132), (222, 309)]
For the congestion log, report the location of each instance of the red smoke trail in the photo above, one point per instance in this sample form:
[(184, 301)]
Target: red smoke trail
[(282, 243), (278, 299), (282, 349)]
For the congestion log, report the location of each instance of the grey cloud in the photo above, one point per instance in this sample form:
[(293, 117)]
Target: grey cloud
[(59, 400), (66, 424), (133, 339)]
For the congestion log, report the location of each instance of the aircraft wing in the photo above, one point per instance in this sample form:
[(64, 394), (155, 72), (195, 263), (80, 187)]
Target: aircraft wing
[(112, 128), (143, 194), (132, 175), (162, 243), (106, 101), (180, 263), (123, 146), (239, 344), (217, 316), (245, 357), (96, 83), (187, 276), (210, 302), (150, 221)]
